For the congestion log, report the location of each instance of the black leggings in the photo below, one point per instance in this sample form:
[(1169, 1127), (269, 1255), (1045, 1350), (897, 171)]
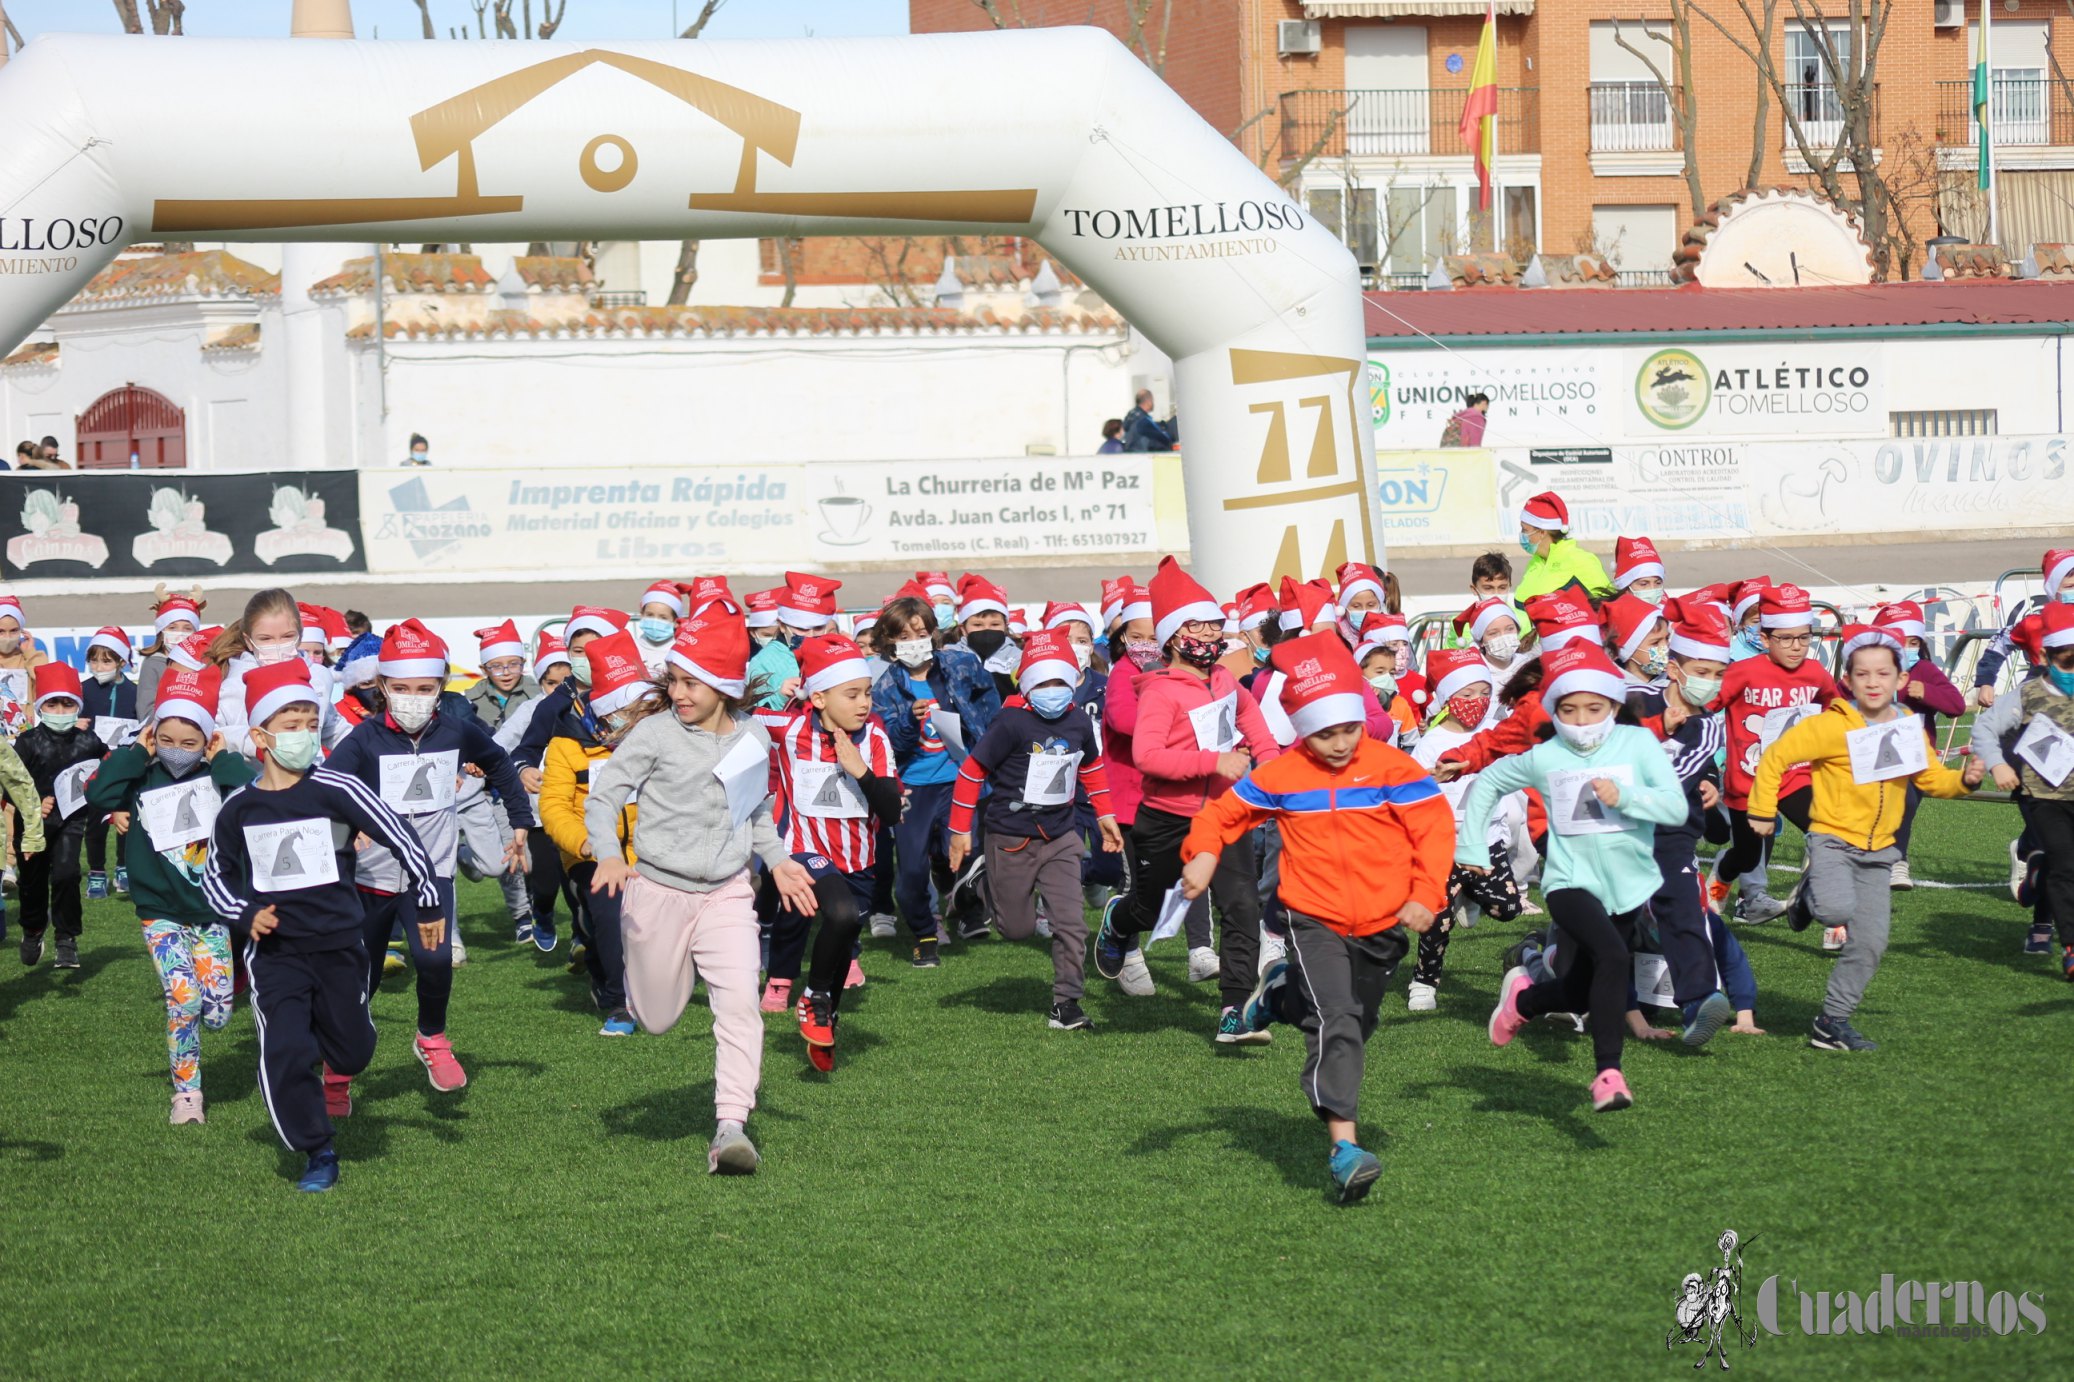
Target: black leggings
[(1747, 849), (2052, 826), (1592, 969), (1155, 845), (842, 898)]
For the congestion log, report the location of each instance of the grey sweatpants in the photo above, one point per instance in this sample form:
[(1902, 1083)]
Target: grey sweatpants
[(1334, 993), (1851, 887), (1020, 869), (486, 826)]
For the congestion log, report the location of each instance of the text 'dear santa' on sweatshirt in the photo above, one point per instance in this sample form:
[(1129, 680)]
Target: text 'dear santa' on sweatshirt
[(1759, 701)]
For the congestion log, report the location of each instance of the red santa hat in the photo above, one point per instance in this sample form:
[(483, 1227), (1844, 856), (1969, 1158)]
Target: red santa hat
[(1719, 594), (1785, 607), (1048, 656), (808, 601), (1179, 598), (763, 609), (937, 587), (667, 593), (1256, 603), (1701, 631), (829, 660), (2058, 564), (1373, 628), (913, 590), (272, 687), (1451, 671), (1305, 604), (1357, 576), (410, 649), (1856, 636), (114, 640), (1634, 558), (716, 651), (175, 609), (12, 604), (1743, 595), (594, 619), (312, 623), (1474, 621), (2049, 627), (1018, 622), (1560, 617), (59, 679), (193, 651), (1321, 686), (618, 675), (1547, 511), (500, 640), (1630, 620), (1058, 615), (1113, 595), (1580, 666), (190, 694), (1137, 603), (978, 595), (707, 591), (336, 634), (551, 651), (1905, 617)]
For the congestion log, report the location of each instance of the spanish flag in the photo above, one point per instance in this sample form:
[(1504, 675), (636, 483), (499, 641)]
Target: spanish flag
[(1479, 127), (1983, 104)]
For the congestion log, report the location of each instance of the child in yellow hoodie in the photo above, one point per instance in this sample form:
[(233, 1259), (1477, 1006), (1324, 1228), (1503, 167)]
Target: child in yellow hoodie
[(1865, 751)]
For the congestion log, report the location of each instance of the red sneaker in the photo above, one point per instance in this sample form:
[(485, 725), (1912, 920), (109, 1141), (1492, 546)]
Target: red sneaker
[(437, 1053), (1717, 894), (338, 1094), (817, 1026), (777, 996)]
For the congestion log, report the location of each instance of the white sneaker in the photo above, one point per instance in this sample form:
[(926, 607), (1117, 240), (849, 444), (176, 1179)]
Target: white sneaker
[(882, 926), (1833, 937), (1136, 979), (1044, 925), (2018, 868), (1528, 909), (1420, 998), (1273, 950), (1899, 881), (187, 1108), (460, 949), (1203, 964)]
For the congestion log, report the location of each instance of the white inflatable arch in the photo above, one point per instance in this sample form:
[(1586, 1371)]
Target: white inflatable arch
[(1058, 134)]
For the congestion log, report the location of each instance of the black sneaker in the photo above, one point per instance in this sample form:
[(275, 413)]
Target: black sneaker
[(1837, 1034), (68, 954), (1516, 954), (1067, 1017), (32, 947), (1799, 915), (925, 954), (975, 928)]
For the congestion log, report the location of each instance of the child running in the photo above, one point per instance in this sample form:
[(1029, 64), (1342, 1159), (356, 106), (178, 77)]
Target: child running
[(60, 757), (1340, 795), (109, 709)]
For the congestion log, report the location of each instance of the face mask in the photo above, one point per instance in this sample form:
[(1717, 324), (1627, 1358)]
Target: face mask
[(59, 720), (2064, 681), (1743, 645), (580, 667), (986, 642), (1654, 597), (420, 457), (413, 713), (267, 654), (108, 676), (1526, 544), (10, 644), (946, 615), (914, 652), (1909, 658), (1699, 692), (1143, 653), (1199, 653), (1585, 739), (1261, 653), (1050, 701), (178, 761), (369, 698), (1656, 660), (1385, 686), (1501, 648), (1469, 711), (793, 637), (2065, 597), (1084, 654), (656, 630), (295, 749)]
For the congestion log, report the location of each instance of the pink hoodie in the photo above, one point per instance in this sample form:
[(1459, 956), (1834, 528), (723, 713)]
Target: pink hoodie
[(1119, 723), (1179, 777)]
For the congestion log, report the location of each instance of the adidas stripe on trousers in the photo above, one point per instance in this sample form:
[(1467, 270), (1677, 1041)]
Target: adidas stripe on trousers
[(309, 1006)]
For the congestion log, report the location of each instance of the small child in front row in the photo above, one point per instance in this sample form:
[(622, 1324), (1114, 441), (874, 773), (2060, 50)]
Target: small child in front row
[(1037, 754), (1607, 785), (108, 707), (1861, 786), (1355, 877), (58, 754)]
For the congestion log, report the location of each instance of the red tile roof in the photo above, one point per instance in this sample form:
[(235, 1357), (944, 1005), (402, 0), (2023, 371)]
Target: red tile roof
[(1470, 312), (410, 273), (638, 322), (207, 273), (243, 336), (34, 353)]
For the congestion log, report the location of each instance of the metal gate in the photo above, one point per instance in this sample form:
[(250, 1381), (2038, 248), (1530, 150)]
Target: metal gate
[(132, 422)]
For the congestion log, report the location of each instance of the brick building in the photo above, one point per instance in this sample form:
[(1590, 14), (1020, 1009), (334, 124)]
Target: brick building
[(1362, 98)]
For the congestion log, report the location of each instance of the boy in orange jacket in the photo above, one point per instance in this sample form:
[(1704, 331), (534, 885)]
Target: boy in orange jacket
[(1341, 797)]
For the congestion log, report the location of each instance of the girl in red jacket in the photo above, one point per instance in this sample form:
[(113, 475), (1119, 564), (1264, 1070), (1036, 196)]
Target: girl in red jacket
[(1197, 731)]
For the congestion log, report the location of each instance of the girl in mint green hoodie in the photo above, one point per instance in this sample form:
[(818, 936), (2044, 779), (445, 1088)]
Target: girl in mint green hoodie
[(1607, 786)]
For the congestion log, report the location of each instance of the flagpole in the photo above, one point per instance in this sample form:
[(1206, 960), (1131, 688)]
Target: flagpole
[(1987, 137), (1497, 188)]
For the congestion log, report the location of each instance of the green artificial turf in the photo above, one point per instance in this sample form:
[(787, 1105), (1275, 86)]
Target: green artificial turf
[(973, 1195)]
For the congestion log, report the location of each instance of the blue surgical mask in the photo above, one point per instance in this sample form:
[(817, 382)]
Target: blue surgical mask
[(656, 630), (946, 615), (1743, 645), (1261, 653), (58, 720), (1050, 701), (1526, 544), (1654, 597), (1909, 658), (2065, 597), (295, 749), (2064, 681)]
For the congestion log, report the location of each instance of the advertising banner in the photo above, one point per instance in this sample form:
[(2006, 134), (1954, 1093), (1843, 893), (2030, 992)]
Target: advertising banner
[(1565, 397), (1437, 498), (1781, 388), (955, 511), (173, 525)]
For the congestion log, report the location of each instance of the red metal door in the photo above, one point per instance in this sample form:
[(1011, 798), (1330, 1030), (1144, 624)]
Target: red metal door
[(132, 421)]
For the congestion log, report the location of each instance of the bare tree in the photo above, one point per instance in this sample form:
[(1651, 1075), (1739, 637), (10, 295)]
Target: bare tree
[(425, 16), (1681, 96), (686, 275), (8, 34), (1137, 35), (165, 16), (1014, 17)]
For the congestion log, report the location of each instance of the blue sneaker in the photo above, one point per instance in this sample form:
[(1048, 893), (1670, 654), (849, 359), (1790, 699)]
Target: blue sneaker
[(1837, 1034), (97, 885), (524, 932), (122, 882), (1354, 1170), (1706, 1017), (2039, 941), (321, 1174), (1110, 948), (1265, 1006), (544, 937), (620, 1023)]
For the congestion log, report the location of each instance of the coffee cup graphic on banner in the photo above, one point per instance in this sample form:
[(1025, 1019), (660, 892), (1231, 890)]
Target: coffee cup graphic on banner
[(843, 517)]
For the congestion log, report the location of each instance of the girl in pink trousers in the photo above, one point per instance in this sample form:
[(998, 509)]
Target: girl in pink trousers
[(702, 776)]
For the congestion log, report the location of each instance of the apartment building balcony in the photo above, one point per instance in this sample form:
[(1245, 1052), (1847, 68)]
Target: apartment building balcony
[(2022, 113), (1634, 131), (1401, 124)]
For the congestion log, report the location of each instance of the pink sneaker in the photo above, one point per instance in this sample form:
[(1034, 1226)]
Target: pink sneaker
[(338, 1094), (777, 996), (1610, 1091), (1505, 1018), (438, 1055), (856, 978)]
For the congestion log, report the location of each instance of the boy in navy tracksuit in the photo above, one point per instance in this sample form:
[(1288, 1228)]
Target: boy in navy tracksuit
[(412, 756), (281, 872), (108, 706)]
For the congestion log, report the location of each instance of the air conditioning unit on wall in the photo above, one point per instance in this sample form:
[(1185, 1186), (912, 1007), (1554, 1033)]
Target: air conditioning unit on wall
[(1297, 37), (1948, 14)]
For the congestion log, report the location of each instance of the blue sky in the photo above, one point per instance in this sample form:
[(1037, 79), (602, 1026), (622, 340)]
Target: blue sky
[(586, 19)]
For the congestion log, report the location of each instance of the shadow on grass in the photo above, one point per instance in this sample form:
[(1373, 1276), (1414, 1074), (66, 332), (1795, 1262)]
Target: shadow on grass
[(43, 981), (1292, 1143), (1560, 1101), (1017, 996), (676, 1115), (1969, 936), (28, 1149)]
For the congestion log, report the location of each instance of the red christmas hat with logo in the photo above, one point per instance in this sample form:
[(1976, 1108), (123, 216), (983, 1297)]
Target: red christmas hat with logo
[(2049, 627), (1305, 604), (1256, 605), (763, 608), (1744, 595), (618, 675), (114, 640), (707, 591), (978, 595), (500, 640), (593, 619), (1374, 628), (1113, 593), (1629, 620), (410, 649), (1700, 630), (1546, 511), (1473, 622), (190, 694), (808, 601), (1785, 607), (716, 651), (668, 594), (829, 660), (273, 686), (1905, 617), (336, 634), (193, 650), (913, 590), (58, 679), (936, 587), (1560, 617), (1137, 603), (1634, 558), (1450, 671), (1856, 636), (1321, 686), (1048, 656), (1580, 666), (312, 623), (551, 651), (2058, 564), (175, 609), (1357, 576), (1179, 598), (1058, 614)]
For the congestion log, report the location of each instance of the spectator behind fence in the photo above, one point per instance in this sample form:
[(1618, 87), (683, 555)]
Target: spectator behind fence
[(1466, 427), (1112, 437)]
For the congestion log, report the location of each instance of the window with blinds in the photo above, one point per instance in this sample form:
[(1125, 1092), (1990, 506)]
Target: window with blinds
[(1945, 422)]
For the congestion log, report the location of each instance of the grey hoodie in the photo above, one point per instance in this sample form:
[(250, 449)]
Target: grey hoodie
[(684, 835)]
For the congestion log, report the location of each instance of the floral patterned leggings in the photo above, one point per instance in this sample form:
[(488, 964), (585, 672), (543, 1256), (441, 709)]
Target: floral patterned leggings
[(194, 965), (1495, 892)]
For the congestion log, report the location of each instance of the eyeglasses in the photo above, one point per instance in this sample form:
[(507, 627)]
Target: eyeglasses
[(1790, 640), (1201, 628)]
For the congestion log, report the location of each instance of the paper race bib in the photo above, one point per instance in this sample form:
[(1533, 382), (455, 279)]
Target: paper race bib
[(2048, 749), (1880, 753), (417, 784), (1777, 722), (1051, 779), (827, 792), (950, 727), (69, 790), (745, 774), (14, 682), (180, 814), (113, 731), (1217, 724), (287, 855), (1575, 809), (1278, 722)]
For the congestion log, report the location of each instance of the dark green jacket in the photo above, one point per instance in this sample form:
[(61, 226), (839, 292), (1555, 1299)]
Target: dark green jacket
[(160, 889)]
